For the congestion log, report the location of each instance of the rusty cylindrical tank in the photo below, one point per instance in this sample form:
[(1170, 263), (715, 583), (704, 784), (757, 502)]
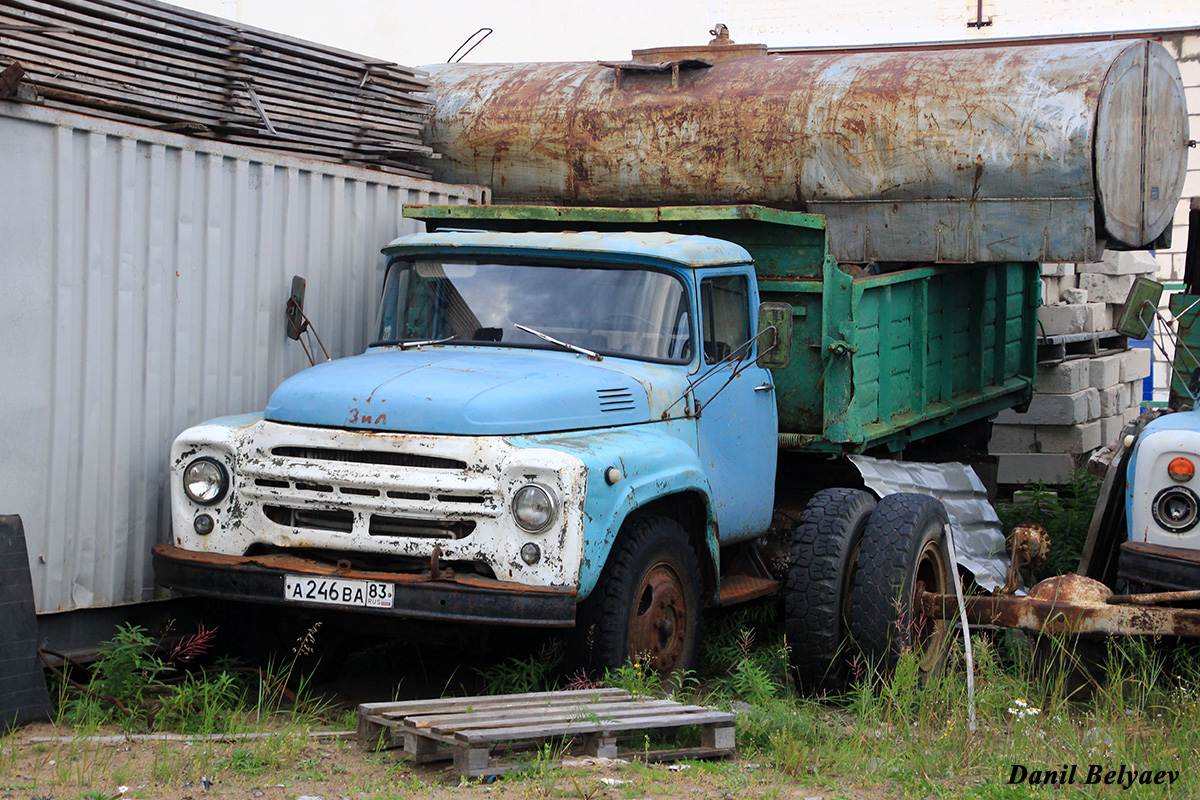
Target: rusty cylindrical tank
[(1000, 153)]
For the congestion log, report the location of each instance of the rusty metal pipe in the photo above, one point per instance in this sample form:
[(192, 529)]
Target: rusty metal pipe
[(1153, 598)]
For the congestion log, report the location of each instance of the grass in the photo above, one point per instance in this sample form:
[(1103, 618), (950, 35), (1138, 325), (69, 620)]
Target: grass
[(911, 738), (139, 688), (899, 737)]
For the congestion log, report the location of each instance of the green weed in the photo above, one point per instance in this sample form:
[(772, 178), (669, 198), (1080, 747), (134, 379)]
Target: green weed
[(134, 686), (537, 673), (1065, 513), (247, 763)]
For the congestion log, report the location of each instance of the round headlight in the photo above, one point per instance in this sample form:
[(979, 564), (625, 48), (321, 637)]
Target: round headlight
[(1176, 509), (205, 481), (533, 508)]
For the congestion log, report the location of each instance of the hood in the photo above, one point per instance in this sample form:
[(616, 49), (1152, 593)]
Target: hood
[(465, 390)]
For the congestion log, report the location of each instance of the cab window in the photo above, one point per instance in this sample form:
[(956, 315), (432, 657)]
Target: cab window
[(724, 310)]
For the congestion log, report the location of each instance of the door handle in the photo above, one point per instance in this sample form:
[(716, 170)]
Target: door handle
[(766, 387)]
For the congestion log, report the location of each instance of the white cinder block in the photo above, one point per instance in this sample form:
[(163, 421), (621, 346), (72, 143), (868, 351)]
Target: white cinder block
[(1106, 288), (1033, 467), (1105, 370), (1074, 439), (1055, 409), (1134, 389), (1057, 320), (1105, 266), (1051, 290), (1093, 403), (1111, 428), (1135, 364), (1013, 439), (1123, 263), (1114, 312), (1138, 262), (1070, 295), (1065, 378), (1097, 317), (1114, 400), (1059, 270)]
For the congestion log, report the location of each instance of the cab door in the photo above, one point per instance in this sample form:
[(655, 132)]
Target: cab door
[(737, 428)]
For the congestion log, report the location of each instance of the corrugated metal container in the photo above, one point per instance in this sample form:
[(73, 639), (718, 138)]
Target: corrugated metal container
[(144, 277), (995, 154)]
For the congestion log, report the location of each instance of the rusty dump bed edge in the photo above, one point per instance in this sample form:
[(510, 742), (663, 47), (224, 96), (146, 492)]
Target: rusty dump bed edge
[(458, 598)]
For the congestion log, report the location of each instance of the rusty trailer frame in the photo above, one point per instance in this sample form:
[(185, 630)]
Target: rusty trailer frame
[(1073, 605)]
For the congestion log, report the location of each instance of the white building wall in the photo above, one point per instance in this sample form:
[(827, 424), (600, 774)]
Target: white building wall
[(789, 23), (523, 30)]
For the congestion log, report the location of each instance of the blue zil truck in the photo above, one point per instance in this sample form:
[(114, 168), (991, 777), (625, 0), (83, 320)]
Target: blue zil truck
[(623, 396), (582, 430)]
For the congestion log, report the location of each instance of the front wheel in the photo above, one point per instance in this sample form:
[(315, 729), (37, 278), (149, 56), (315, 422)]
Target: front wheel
[(903, 552), (646, 603)]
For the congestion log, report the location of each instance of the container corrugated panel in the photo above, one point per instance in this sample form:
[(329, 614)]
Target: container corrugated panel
[(144, 278)]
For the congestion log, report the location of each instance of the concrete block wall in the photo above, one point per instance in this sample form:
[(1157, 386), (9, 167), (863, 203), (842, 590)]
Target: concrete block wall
[(1082, 403)]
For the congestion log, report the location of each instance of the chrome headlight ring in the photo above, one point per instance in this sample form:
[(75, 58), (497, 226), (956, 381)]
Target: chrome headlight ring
[(205, 481), (534, 508), (1176, 509)]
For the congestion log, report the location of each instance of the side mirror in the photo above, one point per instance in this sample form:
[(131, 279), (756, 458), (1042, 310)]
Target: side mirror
[(774, 335), (1140, 306), (295, 309)]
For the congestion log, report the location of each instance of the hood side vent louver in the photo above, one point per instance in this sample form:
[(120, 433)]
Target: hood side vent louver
[(616, 399)]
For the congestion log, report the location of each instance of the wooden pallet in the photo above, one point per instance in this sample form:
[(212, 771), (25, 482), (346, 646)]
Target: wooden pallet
[(482, 734)]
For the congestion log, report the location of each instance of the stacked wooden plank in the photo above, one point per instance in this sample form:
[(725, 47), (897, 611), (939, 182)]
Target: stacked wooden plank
[(482, 734), (153, 64)]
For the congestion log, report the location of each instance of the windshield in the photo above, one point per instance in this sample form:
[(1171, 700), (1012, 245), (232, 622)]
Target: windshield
[(639, 313)]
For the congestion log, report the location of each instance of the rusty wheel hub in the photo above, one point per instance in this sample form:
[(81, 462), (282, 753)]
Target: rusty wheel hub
[(929, 633), (658, 630)]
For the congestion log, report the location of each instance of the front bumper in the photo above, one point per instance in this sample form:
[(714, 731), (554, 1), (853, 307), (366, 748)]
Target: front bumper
[(457, 598)]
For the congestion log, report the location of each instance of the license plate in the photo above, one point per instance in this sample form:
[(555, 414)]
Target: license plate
[(338, 591)]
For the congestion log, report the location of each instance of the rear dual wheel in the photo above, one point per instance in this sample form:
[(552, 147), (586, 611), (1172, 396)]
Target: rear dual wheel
[(820, 580), (903, 553), (856, 568)]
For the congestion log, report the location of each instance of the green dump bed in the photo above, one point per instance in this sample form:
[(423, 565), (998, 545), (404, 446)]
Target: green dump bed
[(876, 358)]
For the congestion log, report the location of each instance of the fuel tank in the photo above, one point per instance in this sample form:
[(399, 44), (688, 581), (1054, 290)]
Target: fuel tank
[(1047, 152)]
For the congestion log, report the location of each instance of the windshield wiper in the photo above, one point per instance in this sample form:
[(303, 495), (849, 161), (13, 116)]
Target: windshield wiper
[(423, 342), (592, 354)]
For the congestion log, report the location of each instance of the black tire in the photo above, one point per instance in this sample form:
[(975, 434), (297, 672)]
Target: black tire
[(646, 603), (820, 579), (903, 547)]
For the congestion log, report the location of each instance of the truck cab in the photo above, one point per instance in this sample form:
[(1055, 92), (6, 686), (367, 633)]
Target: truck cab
[(542, 420)]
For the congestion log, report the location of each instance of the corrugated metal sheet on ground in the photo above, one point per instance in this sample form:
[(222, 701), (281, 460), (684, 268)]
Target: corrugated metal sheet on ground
[(978, 537), (144, 277)]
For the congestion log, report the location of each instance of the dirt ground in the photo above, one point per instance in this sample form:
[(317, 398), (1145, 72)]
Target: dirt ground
[(292, 765)]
